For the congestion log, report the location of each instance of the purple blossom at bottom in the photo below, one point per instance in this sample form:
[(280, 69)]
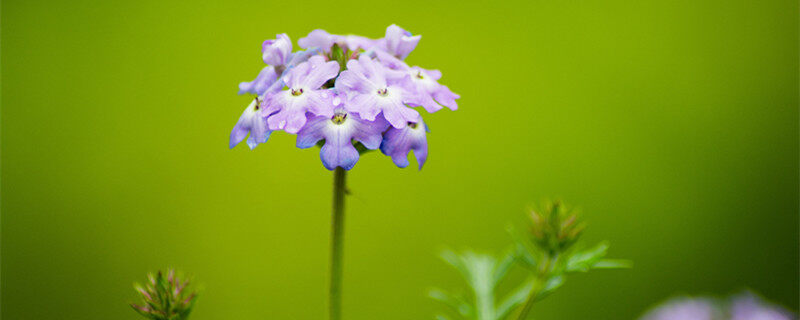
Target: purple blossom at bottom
[(743, 307), (397, 143), (251, 121), (684, 309), (750, 307), (339, 131)]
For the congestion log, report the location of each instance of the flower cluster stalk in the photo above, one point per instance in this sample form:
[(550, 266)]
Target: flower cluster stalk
[(337, 242), (539, 282)]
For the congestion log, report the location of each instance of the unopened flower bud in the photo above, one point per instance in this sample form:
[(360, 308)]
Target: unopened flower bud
[(164, 298)]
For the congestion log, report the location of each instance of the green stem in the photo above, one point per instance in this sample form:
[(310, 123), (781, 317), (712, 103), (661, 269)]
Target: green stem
[(337, 232), (534, 293), (539, 283)]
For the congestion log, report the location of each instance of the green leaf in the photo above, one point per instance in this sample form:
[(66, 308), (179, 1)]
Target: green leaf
[(584, 260), (550, 287), (336, 52), (612, 264), (514, 299), (524, 251), (503, 266), (455, 261), (456, 303)]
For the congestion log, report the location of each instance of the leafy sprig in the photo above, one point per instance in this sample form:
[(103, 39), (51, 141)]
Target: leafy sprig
[(547, 252), (165, 297)]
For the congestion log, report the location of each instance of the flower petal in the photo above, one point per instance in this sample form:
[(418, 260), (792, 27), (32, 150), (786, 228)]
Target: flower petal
[(321, 71), (265, 78), (320, 102), (400, 42), (349, 80), (369, 133), (251, 121), (338, 150), (312, 132), (338, 156), (397, 113), (398, 142), (445, 97), (317, 39), (276, 52)]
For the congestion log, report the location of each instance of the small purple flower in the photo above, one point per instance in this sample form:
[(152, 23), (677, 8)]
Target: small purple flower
[(261, 83), (399, 42), (276, 52), (304, 95), (427, 92), (369, 94), (750, 307), (323, 40), (398, 142), (317, 38), (684, 309), (339, 131), (251, 121)]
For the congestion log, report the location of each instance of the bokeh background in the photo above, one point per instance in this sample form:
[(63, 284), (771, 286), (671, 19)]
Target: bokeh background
[(673, 124)]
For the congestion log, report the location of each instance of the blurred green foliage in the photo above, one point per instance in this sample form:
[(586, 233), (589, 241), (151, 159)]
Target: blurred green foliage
[(548, 252), (677, 120)]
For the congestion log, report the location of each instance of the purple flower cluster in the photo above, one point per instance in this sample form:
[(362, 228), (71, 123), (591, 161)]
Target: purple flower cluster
[(349, 91), (743, 307)]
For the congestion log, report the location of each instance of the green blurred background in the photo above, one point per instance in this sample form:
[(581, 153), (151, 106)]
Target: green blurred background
[(673, 124)]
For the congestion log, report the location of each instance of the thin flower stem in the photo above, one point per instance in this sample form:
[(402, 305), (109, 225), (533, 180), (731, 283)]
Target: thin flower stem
[(539, 283), (534, 293), (337, 242)]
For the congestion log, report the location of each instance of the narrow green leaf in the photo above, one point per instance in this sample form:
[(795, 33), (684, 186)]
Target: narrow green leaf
[(503, 266), (456, 303), (514, 299), (584, 260), (612, 264), (550, 287)]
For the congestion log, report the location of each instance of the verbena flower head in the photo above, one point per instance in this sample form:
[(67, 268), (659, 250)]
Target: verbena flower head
[(346, 93), (684, 308), (750, 307), (746, 306), (165, 297)]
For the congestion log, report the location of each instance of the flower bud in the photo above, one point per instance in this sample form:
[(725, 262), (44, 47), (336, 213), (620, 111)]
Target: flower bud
[(554, 227), (165, 298)]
